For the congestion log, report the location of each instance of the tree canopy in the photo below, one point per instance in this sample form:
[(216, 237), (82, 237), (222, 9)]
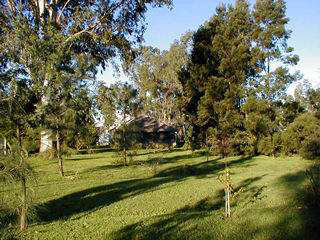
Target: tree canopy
[(232, 60), (156, 74)]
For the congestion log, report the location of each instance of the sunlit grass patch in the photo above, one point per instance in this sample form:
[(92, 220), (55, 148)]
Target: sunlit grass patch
[(183, 199)]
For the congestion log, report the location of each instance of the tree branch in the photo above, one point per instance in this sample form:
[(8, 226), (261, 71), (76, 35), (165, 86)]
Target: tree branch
[(80, 32), (62, 10)]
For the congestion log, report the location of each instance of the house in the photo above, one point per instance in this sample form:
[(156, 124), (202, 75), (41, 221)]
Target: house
[(148, 130), (46, 141)]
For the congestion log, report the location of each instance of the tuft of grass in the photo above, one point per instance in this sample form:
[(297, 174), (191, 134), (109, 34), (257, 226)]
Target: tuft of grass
[(182, 199)]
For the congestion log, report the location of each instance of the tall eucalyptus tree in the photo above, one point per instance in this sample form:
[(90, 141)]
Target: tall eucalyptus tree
[(52, 43)]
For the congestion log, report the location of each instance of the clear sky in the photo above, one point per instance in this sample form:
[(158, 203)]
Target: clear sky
[(164, 26)]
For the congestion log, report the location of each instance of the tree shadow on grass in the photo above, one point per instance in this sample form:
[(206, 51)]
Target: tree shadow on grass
[(183, 223), (161, 160), (95, 198), (203, 220), (86, 157), (300, 219), (103, 168), (203, 169), (158, 151), (306, 201), (8, 221)]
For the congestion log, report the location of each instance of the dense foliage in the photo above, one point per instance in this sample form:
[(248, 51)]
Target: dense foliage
[(234, 98), (49, 51)]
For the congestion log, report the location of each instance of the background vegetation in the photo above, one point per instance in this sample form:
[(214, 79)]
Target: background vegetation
[(222, 90)]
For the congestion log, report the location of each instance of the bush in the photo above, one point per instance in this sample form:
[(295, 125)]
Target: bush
[(313, 175), (243, 143), (310, 149), (265, 146), (270, 145), (298, 133)]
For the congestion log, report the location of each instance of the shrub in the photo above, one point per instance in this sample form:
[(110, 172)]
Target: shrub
[(310, 149), (265, 146), (243, 143), (313, 175), (269, 146), (298, 133)]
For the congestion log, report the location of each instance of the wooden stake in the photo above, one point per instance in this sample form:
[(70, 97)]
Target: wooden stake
[(23, 214)]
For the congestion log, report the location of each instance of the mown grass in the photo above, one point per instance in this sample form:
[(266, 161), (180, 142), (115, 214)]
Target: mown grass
[(171, 195)]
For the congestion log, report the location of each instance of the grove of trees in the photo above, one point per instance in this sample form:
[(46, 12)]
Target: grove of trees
[(224, 85), (49, 50)]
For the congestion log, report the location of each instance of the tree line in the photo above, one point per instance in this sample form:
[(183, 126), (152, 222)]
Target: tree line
[(225, 85)]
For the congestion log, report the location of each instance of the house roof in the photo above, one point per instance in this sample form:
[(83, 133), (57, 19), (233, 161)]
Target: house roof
[(149, 124)]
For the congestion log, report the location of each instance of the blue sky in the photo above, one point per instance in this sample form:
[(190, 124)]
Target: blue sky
[(164, 26)]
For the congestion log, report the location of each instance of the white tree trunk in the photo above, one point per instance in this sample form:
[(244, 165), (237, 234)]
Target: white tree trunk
[(4, 146), (46, 141)]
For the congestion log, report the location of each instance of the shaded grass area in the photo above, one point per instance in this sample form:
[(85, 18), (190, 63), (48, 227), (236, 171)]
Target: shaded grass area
[(251, 218), (180, 199), (7, 220)]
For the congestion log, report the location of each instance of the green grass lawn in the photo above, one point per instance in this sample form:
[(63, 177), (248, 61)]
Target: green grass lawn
[(181, 198)]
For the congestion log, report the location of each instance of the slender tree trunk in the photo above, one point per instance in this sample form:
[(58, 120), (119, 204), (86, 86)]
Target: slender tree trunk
[(191, 140), (227, 191), (59, 156), (256, 145), (273, 146), (207, 146), (125, 156), (227, 201), (61, 168), (124, 140), (23, 213), (19, 137), (4, 146)]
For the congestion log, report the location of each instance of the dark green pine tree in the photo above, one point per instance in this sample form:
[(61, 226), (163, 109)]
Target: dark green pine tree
[(16, 118), (219, 68)]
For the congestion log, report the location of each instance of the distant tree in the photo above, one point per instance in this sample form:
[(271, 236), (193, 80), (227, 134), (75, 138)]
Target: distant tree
[(69, 117), (270, 49), (290, 110), (301, 91), (156, 75), (307, 96), (258, 121), (303, 136), (314, 99), (84, 132), (119, 104)]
